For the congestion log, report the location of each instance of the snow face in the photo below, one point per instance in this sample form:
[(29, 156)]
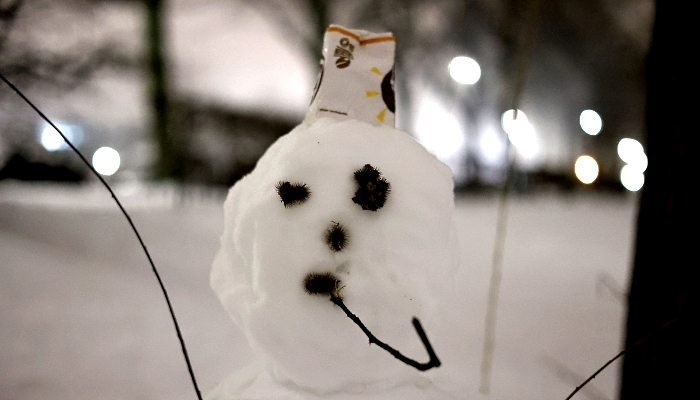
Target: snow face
[(393, 263)]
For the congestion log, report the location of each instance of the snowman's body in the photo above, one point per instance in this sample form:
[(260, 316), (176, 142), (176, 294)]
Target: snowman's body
[(395, 259)]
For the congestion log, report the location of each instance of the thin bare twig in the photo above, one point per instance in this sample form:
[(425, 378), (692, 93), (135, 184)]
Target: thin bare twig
[(572, 378), (622, 353), (131, 223), (433, 362), (527, 39), (495, 284)]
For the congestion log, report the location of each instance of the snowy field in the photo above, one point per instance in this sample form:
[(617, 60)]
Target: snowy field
[(82, 317)]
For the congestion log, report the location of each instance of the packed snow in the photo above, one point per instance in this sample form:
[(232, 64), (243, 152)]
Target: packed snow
[(345, 210), (81, 315), (394, 261)]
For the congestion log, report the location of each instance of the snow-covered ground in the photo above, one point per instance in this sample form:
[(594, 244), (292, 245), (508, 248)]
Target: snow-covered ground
[(82, 317)]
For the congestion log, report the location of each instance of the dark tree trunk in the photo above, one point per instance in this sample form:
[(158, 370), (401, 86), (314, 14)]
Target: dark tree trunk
[(664, 285), (169, 163)]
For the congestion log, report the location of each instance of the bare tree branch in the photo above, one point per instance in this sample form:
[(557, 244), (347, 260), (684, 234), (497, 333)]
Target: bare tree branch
[(66, 70), (8, 14)]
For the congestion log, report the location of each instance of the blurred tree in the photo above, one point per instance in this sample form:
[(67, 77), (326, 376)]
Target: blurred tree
[(8, 13), (70, 67), (48, 47), (664, 285), (28, 60), (306, 27), (580, 48), (171, 160)]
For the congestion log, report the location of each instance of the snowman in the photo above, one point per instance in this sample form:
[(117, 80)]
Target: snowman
[(343, 217)]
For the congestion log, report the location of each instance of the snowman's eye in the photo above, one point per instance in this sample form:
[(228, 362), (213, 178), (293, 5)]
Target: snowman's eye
[(292, 193), (373, 188)]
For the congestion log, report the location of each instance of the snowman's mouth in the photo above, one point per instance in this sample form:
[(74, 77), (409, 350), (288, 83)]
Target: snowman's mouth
[(322, 283), (326, 283)]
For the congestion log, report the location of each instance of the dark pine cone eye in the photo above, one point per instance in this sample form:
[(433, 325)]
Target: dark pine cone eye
[(373, 188), (292, 193)]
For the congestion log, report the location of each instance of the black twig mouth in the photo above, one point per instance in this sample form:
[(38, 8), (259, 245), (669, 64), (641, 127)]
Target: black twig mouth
[(327, 284), (433, 361)]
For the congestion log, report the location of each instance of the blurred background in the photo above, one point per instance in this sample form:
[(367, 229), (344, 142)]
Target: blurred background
[(174, 100), (196, 90)]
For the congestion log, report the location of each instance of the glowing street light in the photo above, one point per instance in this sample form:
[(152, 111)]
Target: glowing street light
[(586, 169), (513, 124), (106, 161), (521, 134), (441, 133), (590, 122), (632, 152), (632, 178), (52, 140), (492, 147), (465, 70)]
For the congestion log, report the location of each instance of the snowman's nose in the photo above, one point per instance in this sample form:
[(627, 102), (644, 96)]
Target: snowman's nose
[(336, 237)]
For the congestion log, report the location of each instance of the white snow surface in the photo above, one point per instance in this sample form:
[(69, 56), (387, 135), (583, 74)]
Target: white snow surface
[(400, 261), (81, 315)]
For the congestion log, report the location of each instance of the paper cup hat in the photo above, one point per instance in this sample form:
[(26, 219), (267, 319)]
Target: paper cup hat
[(357, 77)]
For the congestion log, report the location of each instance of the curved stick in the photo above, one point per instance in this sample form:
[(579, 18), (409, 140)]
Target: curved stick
[(620, 354), (131, 223), (434, 362)]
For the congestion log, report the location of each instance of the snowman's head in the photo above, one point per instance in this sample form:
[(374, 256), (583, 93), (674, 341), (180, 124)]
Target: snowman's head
[(348, 208)]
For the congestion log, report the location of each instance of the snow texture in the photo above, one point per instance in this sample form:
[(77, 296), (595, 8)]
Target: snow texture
[(397, 260), (81, 315)]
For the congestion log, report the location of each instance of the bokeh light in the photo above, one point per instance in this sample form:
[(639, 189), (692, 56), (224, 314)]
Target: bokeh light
[(586, 169), (590, 122), (521, 134), (106, 161), (525, 140), (492, 148), (52, 140), (632, 152), (632, 178), (465, 70), (512, 123), (441, 133)]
